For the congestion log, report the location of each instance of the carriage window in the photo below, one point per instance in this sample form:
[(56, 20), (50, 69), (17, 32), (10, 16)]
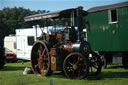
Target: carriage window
[(30, 40), (113, 16)]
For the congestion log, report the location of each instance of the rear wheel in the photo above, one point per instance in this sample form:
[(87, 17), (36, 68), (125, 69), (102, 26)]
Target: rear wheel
[(76, 66), (40, 59)]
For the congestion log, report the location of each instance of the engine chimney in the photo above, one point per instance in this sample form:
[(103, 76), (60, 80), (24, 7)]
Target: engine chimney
[(79, 12)]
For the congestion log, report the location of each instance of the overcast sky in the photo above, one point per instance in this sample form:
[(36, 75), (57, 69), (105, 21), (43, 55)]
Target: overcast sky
[(53, 5)]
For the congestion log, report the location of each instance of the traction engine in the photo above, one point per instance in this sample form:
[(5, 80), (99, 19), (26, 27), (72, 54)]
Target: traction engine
[(64, 50)]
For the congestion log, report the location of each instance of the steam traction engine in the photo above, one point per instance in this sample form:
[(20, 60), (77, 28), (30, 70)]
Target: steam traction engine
[(64, 50)]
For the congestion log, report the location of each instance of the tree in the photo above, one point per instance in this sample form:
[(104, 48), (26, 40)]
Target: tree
[(13, 18)]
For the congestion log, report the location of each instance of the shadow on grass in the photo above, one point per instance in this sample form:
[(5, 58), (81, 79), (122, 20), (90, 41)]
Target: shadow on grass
[(58, 74), (16, 66), (13, 68), (114, 74), (109, 75), (115, 67)]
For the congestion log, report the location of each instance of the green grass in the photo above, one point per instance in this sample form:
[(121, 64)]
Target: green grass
[(12, 74)]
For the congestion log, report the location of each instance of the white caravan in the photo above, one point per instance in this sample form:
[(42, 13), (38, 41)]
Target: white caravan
[(10, 43), (25, 39)]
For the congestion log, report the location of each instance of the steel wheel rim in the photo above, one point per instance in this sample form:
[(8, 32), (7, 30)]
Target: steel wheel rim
[(40, 59), (75, 66)]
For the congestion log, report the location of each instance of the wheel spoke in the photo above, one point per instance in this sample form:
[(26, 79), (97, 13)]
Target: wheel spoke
[(70, 63), (79, 73), (73, 71), (37, 65), (96, 67), (43, 52), (91, 69), (40, 66), (45, 58), (78, 59)]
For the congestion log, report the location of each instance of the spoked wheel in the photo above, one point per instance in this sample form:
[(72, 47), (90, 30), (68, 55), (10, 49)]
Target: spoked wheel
[(104, 62), (95, 64), (40, 59), (76, 66)]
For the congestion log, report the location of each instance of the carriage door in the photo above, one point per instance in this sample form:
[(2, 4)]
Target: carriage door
[(113, 23)]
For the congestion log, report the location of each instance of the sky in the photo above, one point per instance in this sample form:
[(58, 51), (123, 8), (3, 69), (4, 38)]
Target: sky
[(54, 5)]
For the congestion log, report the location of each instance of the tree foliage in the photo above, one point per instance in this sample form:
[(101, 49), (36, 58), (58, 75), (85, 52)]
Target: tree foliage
[(13, 18)]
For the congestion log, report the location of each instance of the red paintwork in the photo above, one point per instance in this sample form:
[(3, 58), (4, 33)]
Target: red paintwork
[(10, 56)]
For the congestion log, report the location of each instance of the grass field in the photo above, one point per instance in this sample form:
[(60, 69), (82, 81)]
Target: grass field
[(12, 74)]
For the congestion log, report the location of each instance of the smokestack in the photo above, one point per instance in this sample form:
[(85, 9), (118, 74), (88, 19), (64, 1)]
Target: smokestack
[(79, 12)]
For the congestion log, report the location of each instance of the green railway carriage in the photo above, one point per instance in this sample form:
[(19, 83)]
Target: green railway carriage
[(107, 31)]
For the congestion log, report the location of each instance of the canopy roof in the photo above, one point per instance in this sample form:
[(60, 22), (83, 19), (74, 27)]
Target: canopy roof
[(59, 14), (100, 8)]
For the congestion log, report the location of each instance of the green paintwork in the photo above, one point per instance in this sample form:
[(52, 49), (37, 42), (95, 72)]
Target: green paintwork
[(108, 37)]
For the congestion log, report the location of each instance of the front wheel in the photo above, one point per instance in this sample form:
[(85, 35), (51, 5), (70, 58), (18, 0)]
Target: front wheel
[(76, 66)]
